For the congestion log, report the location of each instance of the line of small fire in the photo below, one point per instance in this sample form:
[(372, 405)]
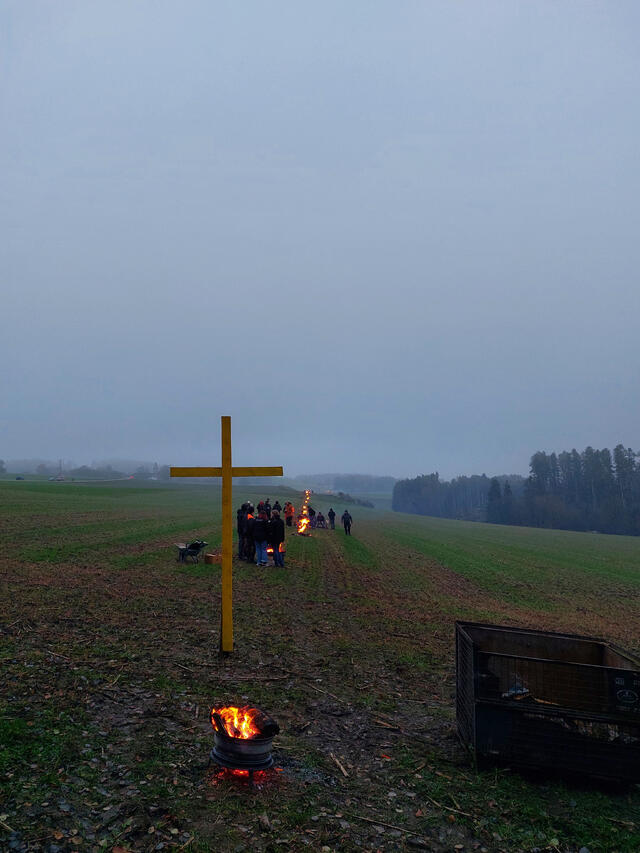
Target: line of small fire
[(303, 518)]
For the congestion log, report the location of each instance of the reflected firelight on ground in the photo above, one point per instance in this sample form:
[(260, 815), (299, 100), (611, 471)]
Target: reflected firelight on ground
[(240, 778)]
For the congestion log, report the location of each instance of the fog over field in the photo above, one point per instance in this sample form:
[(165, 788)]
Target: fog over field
[(388, 238)]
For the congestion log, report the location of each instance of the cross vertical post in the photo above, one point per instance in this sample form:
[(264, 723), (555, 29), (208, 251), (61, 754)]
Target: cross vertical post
[(227, 472), (226, 614)]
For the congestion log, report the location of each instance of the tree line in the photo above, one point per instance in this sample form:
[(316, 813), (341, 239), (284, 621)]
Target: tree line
[(592, 490), (461, 498), (96, 471)]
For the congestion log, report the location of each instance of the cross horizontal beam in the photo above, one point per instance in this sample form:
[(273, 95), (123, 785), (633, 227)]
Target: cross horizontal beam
[(196, 472), (242, 471)]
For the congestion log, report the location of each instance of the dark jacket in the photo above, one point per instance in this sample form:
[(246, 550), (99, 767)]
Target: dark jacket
[(346, 519), (260, 530), (277, 506), (248, 526), (276, 531), (331, 514)]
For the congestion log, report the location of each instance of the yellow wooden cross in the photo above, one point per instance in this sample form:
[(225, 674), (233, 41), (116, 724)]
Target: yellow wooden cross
[(227, 472)]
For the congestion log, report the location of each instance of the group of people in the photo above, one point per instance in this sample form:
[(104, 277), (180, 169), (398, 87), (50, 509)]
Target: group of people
[(259, 530), (262, 529), (320, 520), (317, 519)]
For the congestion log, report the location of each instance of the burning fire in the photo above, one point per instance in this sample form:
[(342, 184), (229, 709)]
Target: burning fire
[(238, 722), (304, 520)]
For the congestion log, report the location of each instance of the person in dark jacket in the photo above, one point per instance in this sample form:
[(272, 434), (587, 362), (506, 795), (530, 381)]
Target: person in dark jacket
[(346, 520), (277, 506), (276, 537), (260, 538), (332, 518), (249, 544), (267, 507), (240, 517)]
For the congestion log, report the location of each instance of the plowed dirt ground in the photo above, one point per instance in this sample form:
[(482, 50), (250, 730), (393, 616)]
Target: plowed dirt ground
[(110, 665)]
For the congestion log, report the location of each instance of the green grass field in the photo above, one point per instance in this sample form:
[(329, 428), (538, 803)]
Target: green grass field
[(110, 666)]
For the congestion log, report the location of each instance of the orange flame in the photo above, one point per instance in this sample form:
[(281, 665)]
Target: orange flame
[(238, 722), (303, 521)]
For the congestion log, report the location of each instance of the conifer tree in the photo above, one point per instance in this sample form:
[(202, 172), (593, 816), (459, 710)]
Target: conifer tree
[(494, 502)]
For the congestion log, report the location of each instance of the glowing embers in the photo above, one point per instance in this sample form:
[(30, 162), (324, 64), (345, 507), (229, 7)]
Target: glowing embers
[(254, 779)]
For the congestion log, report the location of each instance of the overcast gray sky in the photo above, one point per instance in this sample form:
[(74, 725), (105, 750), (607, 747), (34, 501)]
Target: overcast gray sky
[(387, 237)]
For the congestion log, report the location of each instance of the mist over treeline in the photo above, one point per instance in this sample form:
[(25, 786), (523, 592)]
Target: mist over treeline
[(120, 468), (464, 497), (593, 490), (354, 483), (104, 469)]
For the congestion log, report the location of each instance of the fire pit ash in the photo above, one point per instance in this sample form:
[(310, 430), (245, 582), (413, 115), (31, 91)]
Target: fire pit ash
[(242, 738)]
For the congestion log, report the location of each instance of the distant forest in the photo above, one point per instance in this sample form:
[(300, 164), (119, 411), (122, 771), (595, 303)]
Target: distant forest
[(355, 484), (593, 490), (462, 498)]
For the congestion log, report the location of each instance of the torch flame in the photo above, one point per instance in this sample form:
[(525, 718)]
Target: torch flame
[(238, 722)]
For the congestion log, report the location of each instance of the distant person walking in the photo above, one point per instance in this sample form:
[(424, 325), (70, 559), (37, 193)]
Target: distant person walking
[(347, 520), (332, 518)]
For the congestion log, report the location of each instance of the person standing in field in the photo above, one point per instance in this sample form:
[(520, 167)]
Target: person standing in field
[(346, 520), (332, 518), (241, 517), (276, 538), (249, 544), (260, 537), (289, 512), (277, 506)]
